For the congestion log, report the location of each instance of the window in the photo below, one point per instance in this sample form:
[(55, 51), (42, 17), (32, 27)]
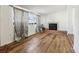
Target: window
[(32, 18)]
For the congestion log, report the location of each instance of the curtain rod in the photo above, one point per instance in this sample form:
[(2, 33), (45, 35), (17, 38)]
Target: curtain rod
[(23, 9)]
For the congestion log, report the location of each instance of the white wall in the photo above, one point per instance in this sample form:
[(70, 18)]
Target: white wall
[(69, 18), (7, 29), (0, 25), (76, 29), (73, 22), (44, 20), (58, 17), (63, 18)]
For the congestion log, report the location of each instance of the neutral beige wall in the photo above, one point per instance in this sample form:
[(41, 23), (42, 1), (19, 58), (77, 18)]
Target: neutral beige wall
[(7, 29)]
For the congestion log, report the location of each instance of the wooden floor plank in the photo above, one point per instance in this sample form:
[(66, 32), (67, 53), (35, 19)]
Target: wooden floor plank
[(47, 42)]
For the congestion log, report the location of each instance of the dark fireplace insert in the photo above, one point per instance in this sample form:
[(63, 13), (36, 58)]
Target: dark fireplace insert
[(52, 26)]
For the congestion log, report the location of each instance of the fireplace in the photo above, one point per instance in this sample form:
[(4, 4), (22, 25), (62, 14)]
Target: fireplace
[(52, 26)]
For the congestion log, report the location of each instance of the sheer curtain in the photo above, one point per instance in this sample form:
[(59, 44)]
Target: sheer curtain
[(20, 24), (38, 23), (33, 24), (17, 23), (25, 23)]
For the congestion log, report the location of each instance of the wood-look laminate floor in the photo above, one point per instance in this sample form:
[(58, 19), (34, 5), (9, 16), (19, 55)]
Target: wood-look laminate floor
[(48, 42)]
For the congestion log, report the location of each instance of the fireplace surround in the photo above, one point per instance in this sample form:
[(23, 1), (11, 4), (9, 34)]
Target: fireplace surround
[(52, 26)]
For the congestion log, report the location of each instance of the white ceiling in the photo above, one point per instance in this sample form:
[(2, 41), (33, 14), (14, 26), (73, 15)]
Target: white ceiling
[(44, 9)]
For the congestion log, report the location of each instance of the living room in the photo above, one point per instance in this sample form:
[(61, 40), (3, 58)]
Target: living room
[(52, 17)]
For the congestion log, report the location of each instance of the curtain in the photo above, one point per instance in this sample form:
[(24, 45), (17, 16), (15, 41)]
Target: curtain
[(17, 24), (32, 24), (23, 21), (20, 24), (25, 24), (38, 23)]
